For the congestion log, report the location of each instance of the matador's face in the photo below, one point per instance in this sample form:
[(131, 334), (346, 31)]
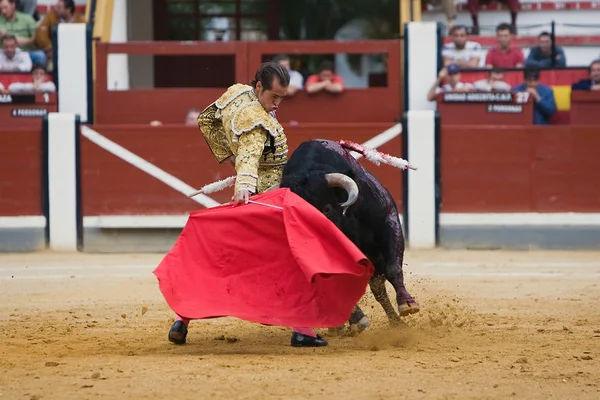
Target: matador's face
[(271, 98)]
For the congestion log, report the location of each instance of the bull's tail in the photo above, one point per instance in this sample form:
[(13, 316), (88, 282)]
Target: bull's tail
[(376, 157)]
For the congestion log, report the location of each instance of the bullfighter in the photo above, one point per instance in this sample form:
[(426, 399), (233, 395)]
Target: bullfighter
[(241, 128)]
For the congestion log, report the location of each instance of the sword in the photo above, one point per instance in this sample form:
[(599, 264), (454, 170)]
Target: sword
[(265, 204)]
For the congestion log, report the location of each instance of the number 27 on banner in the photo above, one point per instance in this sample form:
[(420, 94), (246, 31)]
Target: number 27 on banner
[(522, 97)]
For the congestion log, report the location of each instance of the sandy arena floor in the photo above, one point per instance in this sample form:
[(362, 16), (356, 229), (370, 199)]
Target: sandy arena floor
[(494, 325)]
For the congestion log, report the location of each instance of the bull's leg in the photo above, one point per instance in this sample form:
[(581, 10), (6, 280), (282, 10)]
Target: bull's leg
[(377, 285), (395, 245), (358, 320)]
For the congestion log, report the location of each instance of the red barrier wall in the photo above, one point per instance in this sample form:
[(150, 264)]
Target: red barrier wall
[(169, 105), (113, 187), (520, 169), (21, 172), (556, 77)]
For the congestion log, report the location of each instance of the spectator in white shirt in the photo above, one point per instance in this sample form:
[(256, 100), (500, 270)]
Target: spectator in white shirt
[(296, 78), (461, 51), (13, 59), (38, 82), (495, 81), (451, 74), (1, 87)]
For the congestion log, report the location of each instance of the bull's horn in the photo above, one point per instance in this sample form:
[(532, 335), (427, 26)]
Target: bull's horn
[(346, 183), (274, 187)]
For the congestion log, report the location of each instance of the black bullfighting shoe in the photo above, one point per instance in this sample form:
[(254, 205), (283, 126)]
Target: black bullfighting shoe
[(178, 332), (300, 340)]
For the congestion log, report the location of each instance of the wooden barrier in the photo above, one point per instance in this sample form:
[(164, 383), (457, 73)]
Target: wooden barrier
[(25, 111), (379, 104), (168, 105), (520, 169), (21, 188), (585, 107), (458, 108), (110, 186), (140, 106), (514, 77)]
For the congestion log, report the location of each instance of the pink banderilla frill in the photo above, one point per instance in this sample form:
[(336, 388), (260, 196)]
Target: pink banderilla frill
[(372, 155)]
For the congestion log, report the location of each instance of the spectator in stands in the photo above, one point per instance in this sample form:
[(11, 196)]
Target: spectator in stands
[(296, 78), (593, 83), (513, 7), (63, 12), (13, 59), (449, 9), (39, 82), (191, 118), (326, 80), (461, 51), (543, 96), (505, 55), (1, 87), (541, 55), (451, 74), (495, 81), (22, 26)]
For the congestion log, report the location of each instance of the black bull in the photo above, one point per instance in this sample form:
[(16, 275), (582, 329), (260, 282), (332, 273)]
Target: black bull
[(327, 176)]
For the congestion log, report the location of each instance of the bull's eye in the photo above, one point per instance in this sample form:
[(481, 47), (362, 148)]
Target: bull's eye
[(327, 209)]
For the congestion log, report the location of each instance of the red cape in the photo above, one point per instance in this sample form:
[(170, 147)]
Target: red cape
[(290, 267)]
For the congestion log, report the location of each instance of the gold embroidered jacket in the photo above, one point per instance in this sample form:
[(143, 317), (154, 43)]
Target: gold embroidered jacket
[(237, 124)]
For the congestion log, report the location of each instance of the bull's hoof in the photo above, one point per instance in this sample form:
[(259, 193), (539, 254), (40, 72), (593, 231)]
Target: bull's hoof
[(178, 333), (408, 307), (360, 326)]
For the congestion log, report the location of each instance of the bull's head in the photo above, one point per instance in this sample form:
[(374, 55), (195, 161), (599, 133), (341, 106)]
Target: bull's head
[(340, 181), (344, 182), (325, 192)]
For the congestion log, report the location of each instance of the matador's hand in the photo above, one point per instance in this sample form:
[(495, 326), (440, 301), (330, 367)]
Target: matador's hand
[(241, 197)]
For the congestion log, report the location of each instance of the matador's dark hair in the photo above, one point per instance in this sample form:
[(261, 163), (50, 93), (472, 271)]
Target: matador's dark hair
[(269, 71)]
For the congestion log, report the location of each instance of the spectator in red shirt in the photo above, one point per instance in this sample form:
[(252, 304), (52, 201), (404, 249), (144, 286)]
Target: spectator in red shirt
[(326, 80), (504, 56)]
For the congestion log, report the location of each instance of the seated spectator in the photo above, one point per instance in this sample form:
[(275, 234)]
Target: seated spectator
[(39, 82), (543, 96), (22, 26), (296, 78), (593, 83), (541, 55), (326, 80), (504, 56), (495, 81), (63, 12), (1, 87), (13, 59), (512, 5), (451, 74), (191, 118), (449, 9), (461, 51)]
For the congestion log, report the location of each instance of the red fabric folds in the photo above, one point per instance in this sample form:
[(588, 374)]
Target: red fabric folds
[(290, 267)]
